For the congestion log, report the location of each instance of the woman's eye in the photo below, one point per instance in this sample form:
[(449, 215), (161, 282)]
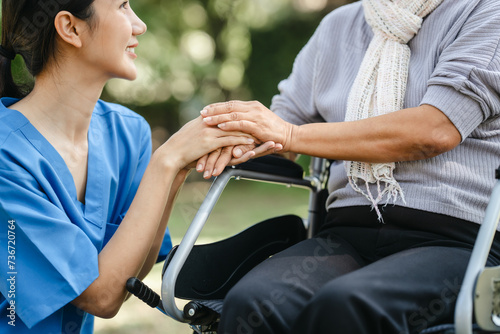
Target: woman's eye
[(124, 5)]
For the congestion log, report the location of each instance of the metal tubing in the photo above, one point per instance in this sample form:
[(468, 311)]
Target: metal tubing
[(194, 230), (186, 245), (482, 245), (318, 172)]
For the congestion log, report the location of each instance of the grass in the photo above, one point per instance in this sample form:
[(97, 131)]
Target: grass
[(242, 204)]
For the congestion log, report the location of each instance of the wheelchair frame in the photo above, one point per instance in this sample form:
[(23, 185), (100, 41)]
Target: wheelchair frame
[(480, 290)]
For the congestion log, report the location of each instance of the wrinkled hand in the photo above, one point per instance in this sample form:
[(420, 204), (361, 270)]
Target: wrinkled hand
[(252, 118)]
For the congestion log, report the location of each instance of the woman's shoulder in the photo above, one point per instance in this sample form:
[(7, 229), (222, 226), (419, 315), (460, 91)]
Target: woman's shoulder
[(343, 30), (344, 15), (119, 116), (15, 149), (11, 121), (109, 109)]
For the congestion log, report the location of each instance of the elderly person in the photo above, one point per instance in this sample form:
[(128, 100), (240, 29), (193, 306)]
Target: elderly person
[(403, 95)]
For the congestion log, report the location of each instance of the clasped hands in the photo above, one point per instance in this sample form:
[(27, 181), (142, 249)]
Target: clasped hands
[(270, 132)]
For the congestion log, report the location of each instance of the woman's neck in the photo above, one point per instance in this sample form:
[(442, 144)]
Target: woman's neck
[(61, 106)]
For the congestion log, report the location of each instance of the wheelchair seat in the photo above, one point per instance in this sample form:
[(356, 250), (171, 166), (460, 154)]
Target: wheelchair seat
[(203, 274), (223, 263)]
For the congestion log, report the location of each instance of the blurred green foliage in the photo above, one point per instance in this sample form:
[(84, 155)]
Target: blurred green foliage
[(197, 52)]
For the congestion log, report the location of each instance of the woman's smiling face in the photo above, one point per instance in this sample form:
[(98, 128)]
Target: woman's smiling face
[(110, 45)]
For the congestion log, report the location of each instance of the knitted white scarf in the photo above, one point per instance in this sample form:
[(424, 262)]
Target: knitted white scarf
[(380, 85)]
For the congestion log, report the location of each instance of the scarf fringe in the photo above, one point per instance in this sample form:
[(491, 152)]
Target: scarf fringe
[(391, 190)]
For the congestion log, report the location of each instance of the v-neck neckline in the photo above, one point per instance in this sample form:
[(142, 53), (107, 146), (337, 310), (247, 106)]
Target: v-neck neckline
[(92, 209)]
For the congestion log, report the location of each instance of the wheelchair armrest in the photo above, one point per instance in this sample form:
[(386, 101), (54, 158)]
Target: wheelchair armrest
[(275, 165)]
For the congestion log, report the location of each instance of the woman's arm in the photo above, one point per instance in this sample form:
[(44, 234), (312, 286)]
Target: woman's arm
[(130, 249), (160, 234), (124, 255), (408, 134)]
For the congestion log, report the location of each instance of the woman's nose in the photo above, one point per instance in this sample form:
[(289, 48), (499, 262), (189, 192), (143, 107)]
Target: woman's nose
[(138, 26)]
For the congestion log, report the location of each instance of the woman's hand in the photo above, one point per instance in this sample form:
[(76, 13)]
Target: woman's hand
[(196, 139), (214, 163), (252, 118)]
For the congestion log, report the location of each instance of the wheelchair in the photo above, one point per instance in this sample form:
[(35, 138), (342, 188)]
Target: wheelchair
[(202, 275)]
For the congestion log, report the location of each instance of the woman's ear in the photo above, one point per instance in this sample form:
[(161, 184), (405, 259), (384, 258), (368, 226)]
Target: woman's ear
[(69, 28)]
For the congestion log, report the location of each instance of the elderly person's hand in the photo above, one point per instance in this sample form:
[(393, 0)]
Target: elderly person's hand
[(250, 117)]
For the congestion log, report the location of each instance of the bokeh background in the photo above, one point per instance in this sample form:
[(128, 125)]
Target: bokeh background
[(197, 52)]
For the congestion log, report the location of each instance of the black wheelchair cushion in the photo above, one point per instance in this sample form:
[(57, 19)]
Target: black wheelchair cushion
[(212, 269)]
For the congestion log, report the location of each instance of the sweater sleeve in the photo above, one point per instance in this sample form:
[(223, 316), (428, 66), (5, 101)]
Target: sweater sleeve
[(465, 84)]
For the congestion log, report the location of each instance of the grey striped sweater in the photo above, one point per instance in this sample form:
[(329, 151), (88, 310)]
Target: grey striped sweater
[(454, 66)]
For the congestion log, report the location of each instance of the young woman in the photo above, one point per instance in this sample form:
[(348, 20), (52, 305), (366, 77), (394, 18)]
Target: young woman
[(83, 205)]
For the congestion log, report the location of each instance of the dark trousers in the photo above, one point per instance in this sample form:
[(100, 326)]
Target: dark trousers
[(358, 276)]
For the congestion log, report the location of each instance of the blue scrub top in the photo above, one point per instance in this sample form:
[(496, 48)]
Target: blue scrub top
[(49, 241)]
